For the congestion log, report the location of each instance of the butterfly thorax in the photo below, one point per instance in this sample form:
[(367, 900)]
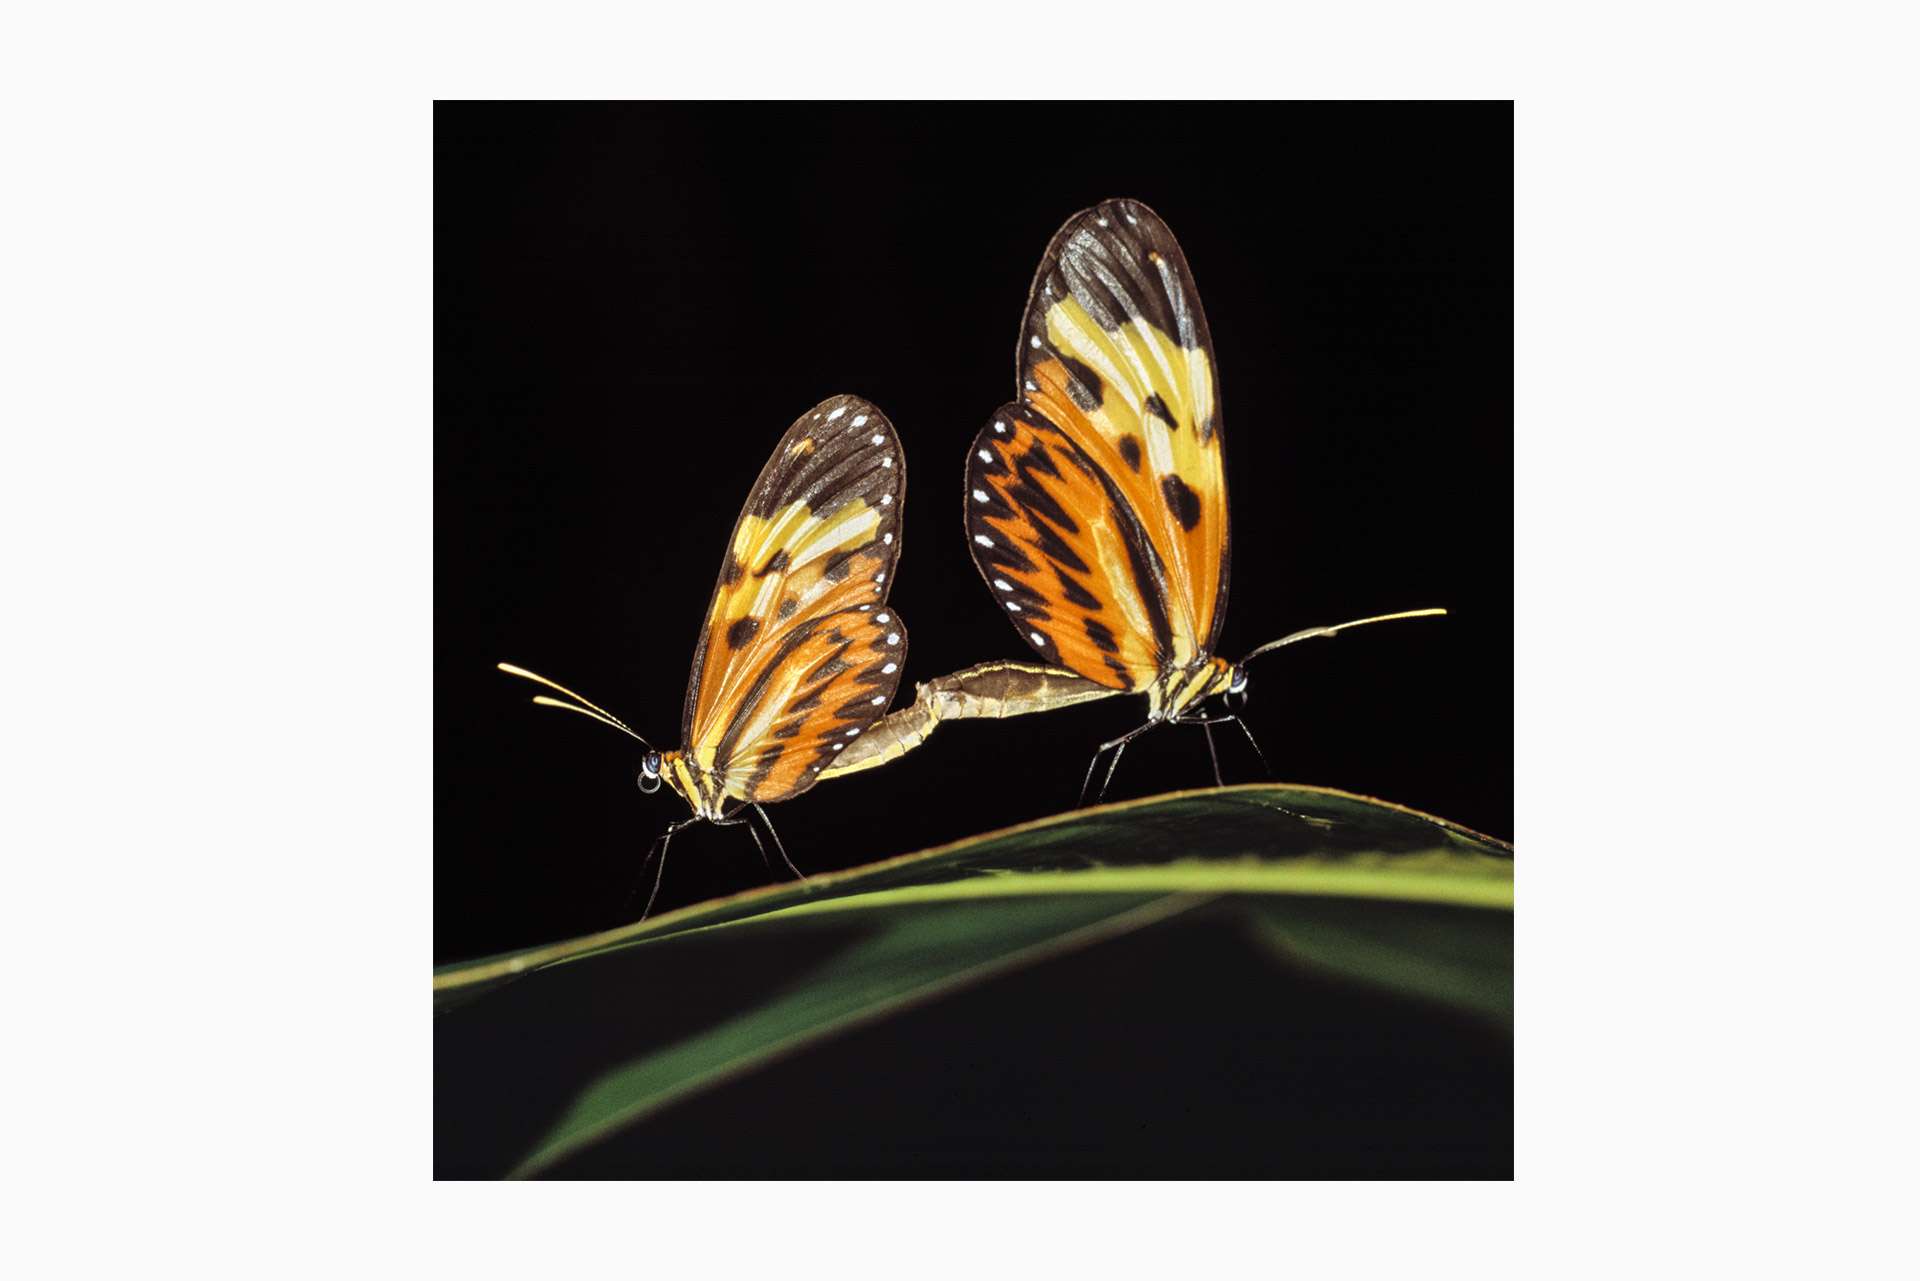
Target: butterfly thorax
[(699, 788), (1178, 689)]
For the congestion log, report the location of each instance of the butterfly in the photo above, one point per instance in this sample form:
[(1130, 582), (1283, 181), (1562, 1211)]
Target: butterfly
[(1096, 502), (800, 652)]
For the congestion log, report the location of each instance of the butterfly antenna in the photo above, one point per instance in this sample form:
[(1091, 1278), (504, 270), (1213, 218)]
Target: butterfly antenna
[(1337, 628), (589, 709)]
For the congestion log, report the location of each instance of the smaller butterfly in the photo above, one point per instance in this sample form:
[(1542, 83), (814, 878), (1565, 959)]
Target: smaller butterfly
[(800, 652), (1096, 502)]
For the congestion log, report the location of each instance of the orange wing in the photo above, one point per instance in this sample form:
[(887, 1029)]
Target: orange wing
[(1065, 554), (827, 685), (1114, 351), (818, 537)]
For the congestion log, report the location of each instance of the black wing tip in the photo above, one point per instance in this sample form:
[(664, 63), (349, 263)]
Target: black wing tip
[(1124, 205), (1118, 218), (1121, 261), (843, 405)]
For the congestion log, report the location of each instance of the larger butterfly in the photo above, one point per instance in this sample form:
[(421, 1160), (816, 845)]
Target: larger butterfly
[(1097, 501), (800, 652)]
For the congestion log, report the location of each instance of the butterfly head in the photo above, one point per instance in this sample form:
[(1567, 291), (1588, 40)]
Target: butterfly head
[(1236, 691), (649, 779)]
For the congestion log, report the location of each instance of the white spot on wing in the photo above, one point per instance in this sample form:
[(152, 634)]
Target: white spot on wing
[(985, 457), (893, 638), (882, 618), (1030, 386), (1003, 584), (890, 669), (1000, 427), (1103, 222), (836, 413), (838, 746), (1038, 639), (887, 461), (887, 537), (879, 439), (880, 577), (1034, 341), (983, 540), (879, 699), (860, 420), (1015, 608), (854, 732), (979, 495), (886, 500)]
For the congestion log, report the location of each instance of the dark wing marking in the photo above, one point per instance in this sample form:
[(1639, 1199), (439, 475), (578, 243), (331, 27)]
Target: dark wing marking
[(829, 683), (1064, 554), (1114, 350), (820, 533)]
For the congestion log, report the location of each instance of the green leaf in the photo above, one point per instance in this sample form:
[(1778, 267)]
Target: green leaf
[(543, 1054)]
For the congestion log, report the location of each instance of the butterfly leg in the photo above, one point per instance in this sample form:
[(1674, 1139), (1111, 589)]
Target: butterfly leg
[(1087, 782), (1207, 728), (660, 844), (1117, 746), (1254, 744), (731, 821), (797, 873), (1207, 722)]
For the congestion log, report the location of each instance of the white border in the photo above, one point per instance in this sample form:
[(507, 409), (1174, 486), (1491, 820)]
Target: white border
[(217, 517)]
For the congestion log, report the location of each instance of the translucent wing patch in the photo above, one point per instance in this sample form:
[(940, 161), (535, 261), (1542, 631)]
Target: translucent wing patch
[(1063, 553), (828, 683), (1114, 351), (820, 534)]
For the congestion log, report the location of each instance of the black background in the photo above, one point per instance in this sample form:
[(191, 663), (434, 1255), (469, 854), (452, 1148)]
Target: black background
[(633, 302)]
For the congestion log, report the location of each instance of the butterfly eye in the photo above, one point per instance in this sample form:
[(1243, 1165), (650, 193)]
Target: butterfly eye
[(1236, 696), (649, 779)]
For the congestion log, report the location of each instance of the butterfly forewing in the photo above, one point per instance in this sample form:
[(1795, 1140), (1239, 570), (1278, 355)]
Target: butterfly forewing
[(1115, 352), (819, 536), (1063, 553)]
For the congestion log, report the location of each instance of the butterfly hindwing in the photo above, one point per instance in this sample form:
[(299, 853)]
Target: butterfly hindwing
[(1115, 352), (819, 535), (828, 684), (1064, 554)]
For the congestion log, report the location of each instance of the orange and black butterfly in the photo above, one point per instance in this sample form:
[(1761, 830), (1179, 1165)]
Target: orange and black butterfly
[(1097, 501), (800, 652)]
